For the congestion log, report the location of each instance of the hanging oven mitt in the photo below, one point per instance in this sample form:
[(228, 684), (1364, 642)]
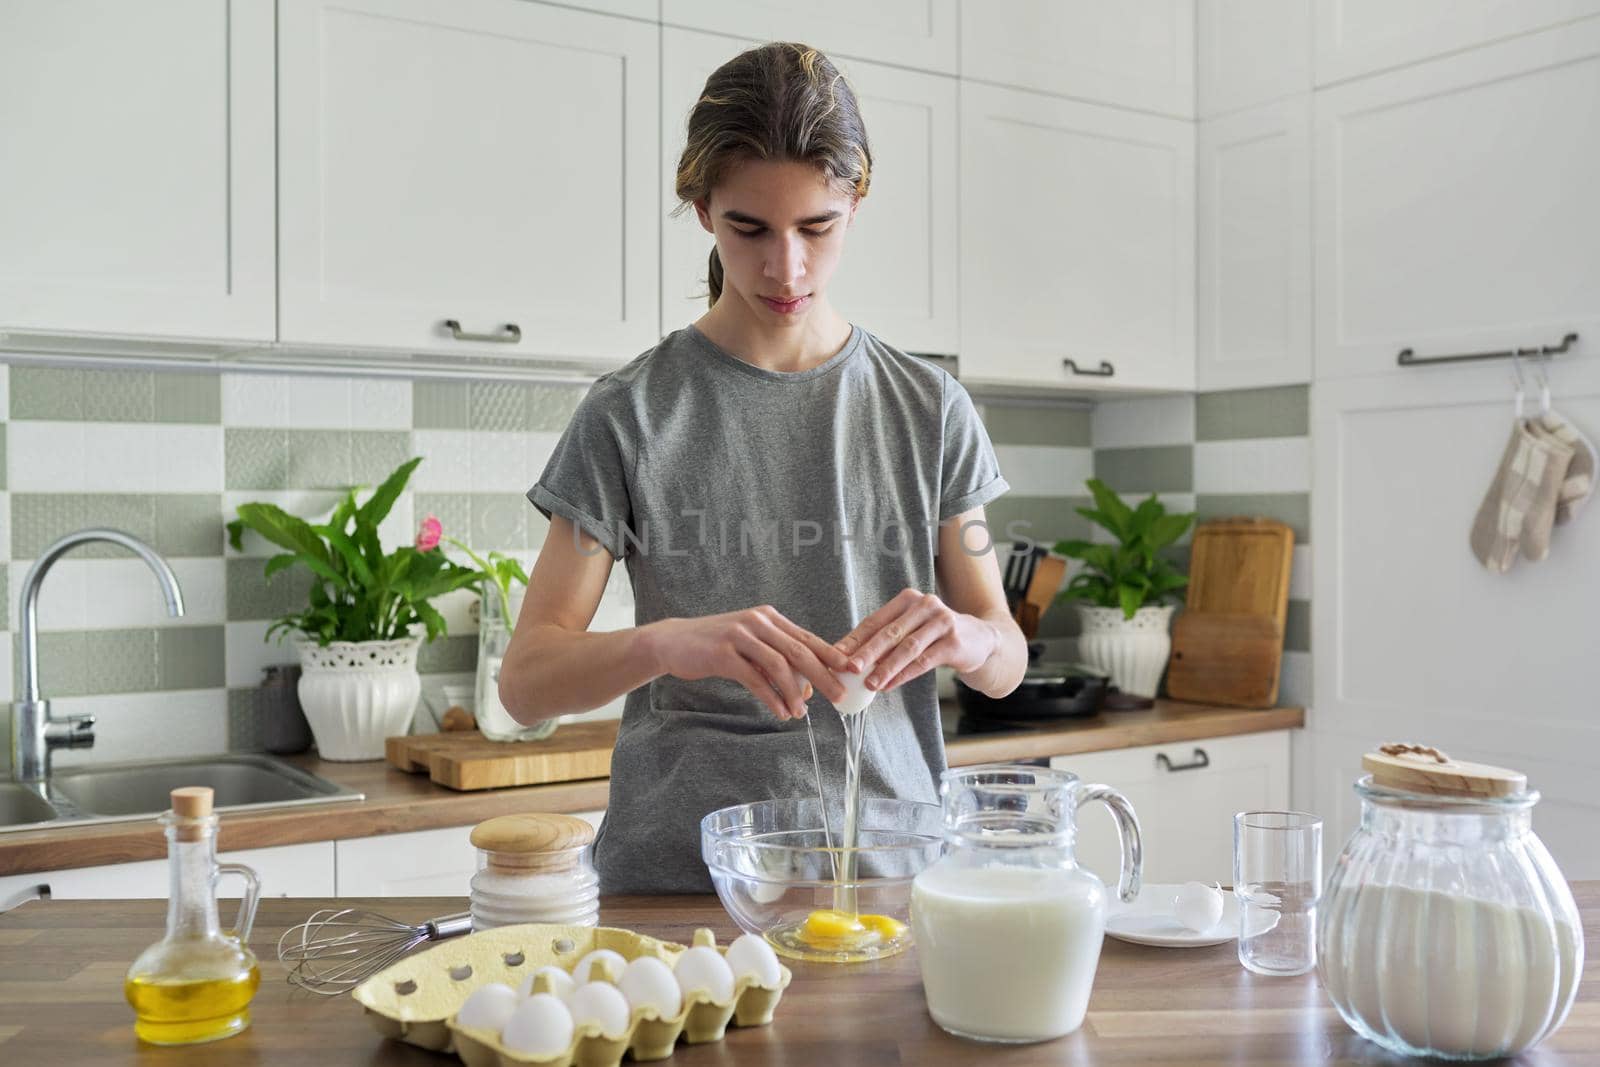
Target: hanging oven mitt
[(1520, 507), (1578, 484)]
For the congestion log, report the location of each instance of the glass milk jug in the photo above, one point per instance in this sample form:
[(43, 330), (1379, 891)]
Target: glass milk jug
[(1008, 927), (196, 983), (495, 621), (1446, 929)]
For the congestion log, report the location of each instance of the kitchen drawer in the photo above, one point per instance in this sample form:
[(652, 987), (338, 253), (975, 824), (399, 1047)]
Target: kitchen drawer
[(1185, 811), (285, 871)]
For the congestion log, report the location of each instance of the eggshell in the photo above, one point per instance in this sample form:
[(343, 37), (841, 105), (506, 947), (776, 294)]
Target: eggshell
[(703, 968), (753, 957), (561, 983), (601, 1003), (856, 694), (648, 983), (489, 1007), (541, 1026), (1198, 906), (580, 973)]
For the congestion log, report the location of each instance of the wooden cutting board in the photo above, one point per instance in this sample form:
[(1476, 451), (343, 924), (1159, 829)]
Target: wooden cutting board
[(467, 760), (1227, 646)]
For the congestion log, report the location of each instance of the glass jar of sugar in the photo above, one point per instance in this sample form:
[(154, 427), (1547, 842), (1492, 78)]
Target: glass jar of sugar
[(1446, 928), (534, 868)]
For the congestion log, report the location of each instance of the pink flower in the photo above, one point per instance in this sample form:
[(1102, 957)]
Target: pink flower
[(428, 536)]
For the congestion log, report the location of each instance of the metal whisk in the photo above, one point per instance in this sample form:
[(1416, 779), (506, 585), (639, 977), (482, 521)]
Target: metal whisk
[(337, 949)]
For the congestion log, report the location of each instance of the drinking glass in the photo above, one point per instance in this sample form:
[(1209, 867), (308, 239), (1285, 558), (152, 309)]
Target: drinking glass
[(1277, 876)]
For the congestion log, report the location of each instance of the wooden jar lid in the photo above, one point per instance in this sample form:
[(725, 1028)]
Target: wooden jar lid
[(191, 802), (1421, 769), (537, 840)]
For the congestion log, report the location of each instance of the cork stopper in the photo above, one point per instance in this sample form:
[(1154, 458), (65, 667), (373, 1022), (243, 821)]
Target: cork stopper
[(191, 802), (540, 841), (1424, 769)]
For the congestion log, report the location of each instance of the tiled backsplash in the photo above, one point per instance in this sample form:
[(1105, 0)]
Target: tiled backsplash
[(168, 456)]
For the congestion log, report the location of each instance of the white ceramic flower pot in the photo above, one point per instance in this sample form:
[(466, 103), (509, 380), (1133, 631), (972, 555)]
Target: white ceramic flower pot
[(1133, 651), (357, 693)]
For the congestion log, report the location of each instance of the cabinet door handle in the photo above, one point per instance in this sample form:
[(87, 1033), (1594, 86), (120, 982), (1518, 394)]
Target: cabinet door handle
[(509, 334), (1105, 370), (1200, 759)]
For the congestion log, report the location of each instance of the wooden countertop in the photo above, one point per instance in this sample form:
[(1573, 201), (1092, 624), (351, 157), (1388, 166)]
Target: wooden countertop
[(397, 802), (62, 964)]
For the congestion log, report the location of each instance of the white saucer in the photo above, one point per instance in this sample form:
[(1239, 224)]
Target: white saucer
[(1148, 920)]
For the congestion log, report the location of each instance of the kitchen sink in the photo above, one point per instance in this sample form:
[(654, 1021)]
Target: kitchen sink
[(239, 783), (79, 796), (21, 807)]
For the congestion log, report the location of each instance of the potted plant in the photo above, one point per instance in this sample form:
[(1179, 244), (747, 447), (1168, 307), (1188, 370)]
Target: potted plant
[(1120, 588), (355, 638)]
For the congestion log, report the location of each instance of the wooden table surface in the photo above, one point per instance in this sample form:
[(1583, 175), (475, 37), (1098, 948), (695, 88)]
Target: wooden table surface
[(62, 964), (397, 802)]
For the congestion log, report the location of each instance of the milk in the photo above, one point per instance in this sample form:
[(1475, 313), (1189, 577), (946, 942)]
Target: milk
[(1007, 953), (1450, 973)]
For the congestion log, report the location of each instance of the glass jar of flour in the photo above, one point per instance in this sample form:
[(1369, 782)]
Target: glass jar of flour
[(1446, 928)]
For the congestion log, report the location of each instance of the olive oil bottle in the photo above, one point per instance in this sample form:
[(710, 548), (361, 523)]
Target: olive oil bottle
[(196, 983)]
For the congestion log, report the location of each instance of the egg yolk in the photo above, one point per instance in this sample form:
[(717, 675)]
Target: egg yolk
[(840, 931)]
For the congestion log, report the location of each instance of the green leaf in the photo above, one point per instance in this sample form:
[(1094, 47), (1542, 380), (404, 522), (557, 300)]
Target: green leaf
[(351, 555), (235, 535), (1168, 528), (295, 534), (280, 562), (382, 499), (431, 619), (1112, 507), (1131, 599)]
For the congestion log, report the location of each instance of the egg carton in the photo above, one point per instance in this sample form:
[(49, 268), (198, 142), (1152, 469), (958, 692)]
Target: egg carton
[(416, 1000)]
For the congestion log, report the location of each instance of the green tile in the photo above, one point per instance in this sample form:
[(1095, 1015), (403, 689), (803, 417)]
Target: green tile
[(1297, 627), (244, 725), (5, 599), (252, 595), (129, 512), (538, 525), (46, 392), (189, 397), (189, 524), (1292, 508), (1045, 519), (118, 395), (499, 521), (1236, 414), (319, 459), (497, 406), (453, 510), (190, 657), (119, 661), (2, 455), (255, 459), (448, 655), (551, 407), (439, 405), (1028, 424), (37, 519), (1161, 469), (61, 663), (374, 454)]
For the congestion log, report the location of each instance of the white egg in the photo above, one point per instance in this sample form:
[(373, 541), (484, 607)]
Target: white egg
[(856, 694), (561, 983), (702, 969), (488, 1007), (580, 973), (1198, 906), (753, 957), (603, 1004), (541, 1026), (648, 983)]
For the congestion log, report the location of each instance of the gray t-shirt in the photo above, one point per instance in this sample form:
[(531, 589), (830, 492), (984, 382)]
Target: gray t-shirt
[(724, 486)]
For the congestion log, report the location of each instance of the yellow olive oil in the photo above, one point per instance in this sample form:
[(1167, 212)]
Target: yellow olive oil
[(175, 1011)]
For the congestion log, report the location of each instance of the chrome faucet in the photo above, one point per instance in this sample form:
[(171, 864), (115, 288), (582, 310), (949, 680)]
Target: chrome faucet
[(33, 732)]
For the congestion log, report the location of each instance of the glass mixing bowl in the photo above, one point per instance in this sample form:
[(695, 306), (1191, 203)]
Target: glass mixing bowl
[(776, 874)]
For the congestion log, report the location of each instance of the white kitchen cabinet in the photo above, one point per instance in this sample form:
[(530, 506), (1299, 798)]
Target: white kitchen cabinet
[(423, 863), (285, 871), (136, 144), (1185, 796), (1415, 640), (1255, 247), (486, 162), (898, 275), (1455, 205), (1135, 54), (1251, 52), (920, 34), (1077, 242), (1356, 37)]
